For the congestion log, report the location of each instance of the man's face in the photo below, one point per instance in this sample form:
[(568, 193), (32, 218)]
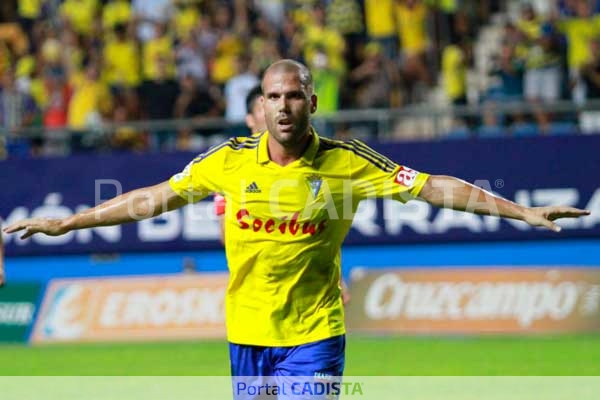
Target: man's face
[(287, 107), (255, 119)]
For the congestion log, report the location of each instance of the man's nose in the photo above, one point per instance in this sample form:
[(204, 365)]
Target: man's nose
[(284, 104)]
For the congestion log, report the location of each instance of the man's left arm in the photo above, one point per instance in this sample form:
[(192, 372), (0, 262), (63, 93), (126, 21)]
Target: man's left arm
[(449, 192)]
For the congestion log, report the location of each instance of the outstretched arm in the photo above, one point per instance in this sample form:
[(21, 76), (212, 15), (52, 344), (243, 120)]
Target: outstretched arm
[(132, 206), (450, 192)]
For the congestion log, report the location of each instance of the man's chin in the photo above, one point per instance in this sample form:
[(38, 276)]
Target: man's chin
[(285, 137)]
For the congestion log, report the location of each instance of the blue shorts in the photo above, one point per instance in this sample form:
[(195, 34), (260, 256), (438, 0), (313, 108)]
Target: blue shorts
[(253, 367)]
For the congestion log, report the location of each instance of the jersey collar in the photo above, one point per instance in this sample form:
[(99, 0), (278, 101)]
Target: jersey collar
[(308, 157)]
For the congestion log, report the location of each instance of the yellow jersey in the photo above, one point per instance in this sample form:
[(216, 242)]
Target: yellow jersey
[(579, 32), (121, 63), (454, 72), (116, 12), (379, 18), (412, 28), (284, 229)]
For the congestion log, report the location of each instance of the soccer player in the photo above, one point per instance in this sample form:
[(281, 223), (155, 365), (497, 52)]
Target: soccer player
[(290, 191), (255, 121)]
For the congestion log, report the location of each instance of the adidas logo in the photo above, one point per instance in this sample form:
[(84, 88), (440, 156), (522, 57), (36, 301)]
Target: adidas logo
[(253, 188)]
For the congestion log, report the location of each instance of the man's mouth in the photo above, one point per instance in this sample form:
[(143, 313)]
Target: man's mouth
[(285, 124)]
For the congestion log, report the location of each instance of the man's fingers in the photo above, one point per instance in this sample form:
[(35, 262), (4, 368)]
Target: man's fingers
[(14, 228), (567, 212), (555, 227), (572, 211), (29, 232), (549, 224)]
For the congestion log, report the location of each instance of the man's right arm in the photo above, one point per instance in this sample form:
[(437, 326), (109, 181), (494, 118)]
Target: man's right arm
[(132, 206)]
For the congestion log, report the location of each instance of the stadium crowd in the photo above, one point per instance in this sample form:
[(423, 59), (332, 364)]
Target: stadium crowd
[(73, 66)]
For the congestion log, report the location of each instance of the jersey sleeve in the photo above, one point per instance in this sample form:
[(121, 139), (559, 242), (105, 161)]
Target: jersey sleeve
[(202, 176), (375, 175)]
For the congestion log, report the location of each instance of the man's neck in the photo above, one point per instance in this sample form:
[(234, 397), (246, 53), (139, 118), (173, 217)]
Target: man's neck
[(286, 155)]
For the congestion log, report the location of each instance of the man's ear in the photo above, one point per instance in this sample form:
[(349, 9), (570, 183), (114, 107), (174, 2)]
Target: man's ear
[(313, 103)]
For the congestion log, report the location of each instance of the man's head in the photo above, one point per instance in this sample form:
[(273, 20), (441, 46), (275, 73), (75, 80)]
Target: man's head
[(255, 113), (288, 101)]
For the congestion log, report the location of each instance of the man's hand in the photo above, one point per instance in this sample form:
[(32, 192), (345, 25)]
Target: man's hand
[(544, 216), (51, 227)]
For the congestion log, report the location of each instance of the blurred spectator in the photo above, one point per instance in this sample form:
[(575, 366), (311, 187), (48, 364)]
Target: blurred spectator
[(543, 74), (327, 80), (591, 72), (454, 70), (24, 70), (255, 116), (185, 19), (411, 17), (463, 28), (158, 48), (447, 32), (121, 60), (90, 103), (190, 60), (57, 95), (272, 10), (236, 90), (579, 30), (224, 65), (376, 79), (115, 12), (72, 53), (346, 17), (509, 69), (29, 11), (127, 137), (13, 41), (263, 45), (529, 24), (317, 40), (206, 37), (5, 57), (288, 45), (456, 59), (567, 8), (79, 15), (17, 109), (381, 26), (148, 13), (197, 99), (158, 97)]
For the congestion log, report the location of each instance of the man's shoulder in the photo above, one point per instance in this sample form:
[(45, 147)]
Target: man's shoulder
[(327, 144), (233, 145), (358, 151)]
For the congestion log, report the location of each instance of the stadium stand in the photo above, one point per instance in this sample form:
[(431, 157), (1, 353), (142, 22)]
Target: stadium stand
[(83, 75)]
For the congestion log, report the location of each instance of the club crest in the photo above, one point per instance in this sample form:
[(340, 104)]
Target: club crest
[(314, 183)]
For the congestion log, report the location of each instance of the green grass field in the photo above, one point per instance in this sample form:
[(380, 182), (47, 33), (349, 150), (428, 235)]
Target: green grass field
[(566, 355)]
